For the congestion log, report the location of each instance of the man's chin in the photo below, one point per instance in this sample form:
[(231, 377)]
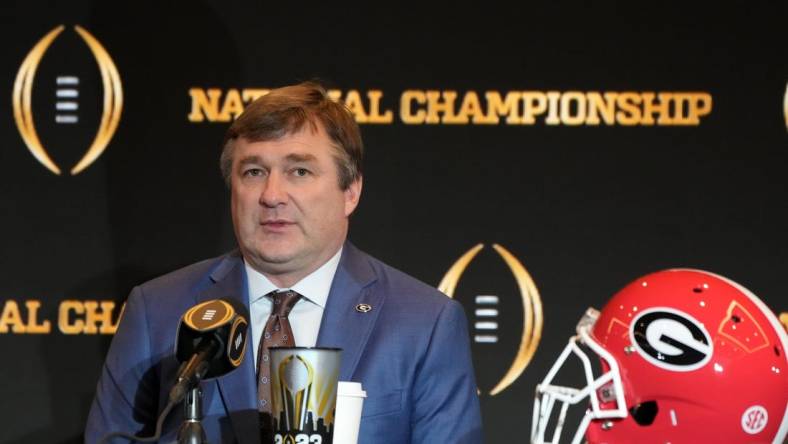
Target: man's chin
[(277, 260), (272, 260), (272, 252)]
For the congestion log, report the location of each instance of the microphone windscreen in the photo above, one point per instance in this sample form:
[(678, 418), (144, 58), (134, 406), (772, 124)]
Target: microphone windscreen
[(222, 321)]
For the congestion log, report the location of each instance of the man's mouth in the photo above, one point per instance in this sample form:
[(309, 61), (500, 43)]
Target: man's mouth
[(276, 223)]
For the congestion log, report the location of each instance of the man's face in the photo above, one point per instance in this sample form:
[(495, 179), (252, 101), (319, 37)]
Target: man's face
[(289, 214)]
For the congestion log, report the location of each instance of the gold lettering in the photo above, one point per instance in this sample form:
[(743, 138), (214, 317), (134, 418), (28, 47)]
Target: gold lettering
[(552, 112), (629, 112), (103, 317), (33, 326), (233, 105), (353, 103), (570, 108), (205, 106), (436, 106), (11, 317), (472, 107), (681, 104), (566, 108), (64, 322), (597, 104), (534, 103), (508, 107), (699, 105), (334, 94), (374, 108), (661, 107), (405, 107)]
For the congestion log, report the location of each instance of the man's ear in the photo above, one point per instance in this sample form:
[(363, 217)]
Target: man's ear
[(352, 195)]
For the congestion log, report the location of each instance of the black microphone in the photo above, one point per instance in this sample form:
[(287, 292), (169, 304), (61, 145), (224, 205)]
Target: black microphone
[(211, 342)]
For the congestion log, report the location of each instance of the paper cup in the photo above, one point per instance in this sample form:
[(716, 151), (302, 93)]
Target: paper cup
[(304, 393), (350, 402)]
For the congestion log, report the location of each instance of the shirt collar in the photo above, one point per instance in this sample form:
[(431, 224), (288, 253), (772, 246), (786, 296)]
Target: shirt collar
[(314, 287)]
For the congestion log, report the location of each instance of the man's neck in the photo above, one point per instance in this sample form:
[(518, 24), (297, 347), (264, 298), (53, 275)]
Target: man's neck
[(287, 279)]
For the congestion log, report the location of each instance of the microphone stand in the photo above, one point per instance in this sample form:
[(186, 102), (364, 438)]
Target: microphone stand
[(191, 431)]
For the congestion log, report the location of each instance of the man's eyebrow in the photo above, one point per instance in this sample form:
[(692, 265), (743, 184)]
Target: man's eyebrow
[(250, 159), (295, 157)]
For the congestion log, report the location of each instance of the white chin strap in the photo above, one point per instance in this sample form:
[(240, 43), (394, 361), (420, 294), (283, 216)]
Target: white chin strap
[(547, 394)]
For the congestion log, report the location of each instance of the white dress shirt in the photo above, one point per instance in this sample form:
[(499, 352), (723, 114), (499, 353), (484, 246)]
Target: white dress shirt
[(308, 311)]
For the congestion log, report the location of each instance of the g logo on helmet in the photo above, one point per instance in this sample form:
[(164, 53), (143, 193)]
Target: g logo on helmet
[(671, 339)]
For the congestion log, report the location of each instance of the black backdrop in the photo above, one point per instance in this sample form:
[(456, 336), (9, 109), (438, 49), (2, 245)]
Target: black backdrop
[(585, 208)]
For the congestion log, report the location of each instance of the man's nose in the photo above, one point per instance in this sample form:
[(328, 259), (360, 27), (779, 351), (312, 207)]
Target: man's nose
[(273, 193)]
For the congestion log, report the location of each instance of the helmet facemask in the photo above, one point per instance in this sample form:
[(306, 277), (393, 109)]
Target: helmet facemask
[(603, 390)]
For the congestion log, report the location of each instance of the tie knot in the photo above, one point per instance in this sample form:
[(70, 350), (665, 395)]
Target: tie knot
[(284, 302)]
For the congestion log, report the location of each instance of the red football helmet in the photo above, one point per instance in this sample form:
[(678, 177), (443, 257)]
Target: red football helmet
[(686, 356)]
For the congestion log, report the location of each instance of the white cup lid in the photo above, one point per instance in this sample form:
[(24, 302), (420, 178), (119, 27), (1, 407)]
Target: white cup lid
[(348, 388)]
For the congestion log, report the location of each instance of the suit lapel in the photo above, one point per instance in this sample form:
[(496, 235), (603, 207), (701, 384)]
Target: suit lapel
[(342, 325), (237, 388)]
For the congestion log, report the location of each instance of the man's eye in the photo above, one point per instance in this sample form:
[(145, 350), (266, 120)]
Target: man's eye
[(301, 172), (253, 172)]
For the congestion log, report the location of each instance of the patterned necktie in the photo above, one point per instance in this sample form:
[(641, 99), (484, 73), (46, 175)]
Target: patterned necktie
[(277, 333)]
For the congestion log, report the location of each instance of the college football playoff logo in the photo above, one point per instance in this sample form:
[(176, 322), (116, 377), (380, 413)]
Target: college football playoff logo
[(67, 104), (488, 311), (785, 106)]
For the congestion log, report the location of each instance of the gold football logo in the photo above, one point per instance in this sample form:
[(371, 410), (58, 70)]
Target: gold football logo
[(112, 103), (532, 309), (785, 106)]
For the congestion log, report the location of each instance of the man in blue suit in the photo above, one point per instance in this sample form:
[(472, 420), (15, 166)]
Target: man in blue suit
[(292, 161)]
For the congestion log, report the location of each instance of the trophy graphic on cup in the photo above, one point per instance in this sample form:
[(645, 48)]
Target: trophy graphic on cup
[(304, 394)]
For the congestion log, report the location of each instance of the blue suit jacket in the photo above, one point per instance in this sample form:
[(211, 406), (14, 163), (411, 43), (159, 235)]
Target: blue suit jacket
[(410, 352)]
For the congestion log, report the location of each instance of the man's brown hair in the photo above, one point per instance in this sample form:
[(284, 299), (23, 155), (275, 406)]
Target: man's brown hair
[(285, 111)]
